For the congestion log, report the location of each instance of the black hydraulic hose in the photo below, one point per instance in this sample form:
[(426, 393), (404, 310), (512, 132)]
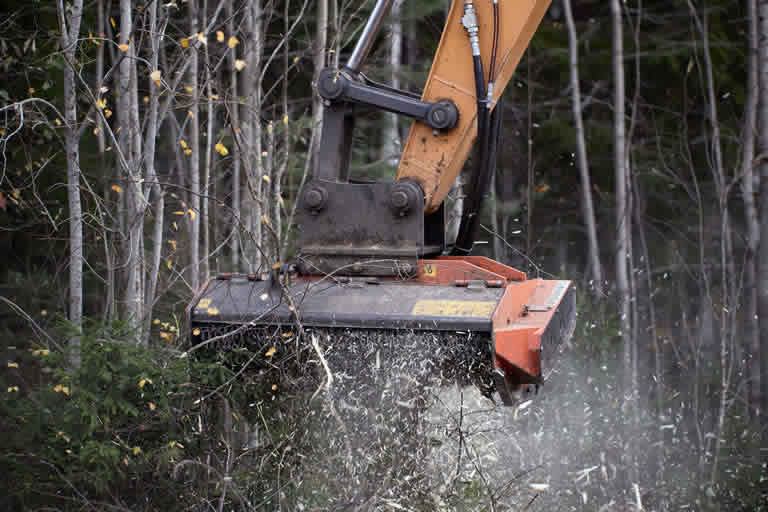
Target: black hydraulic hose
[(487, 137)]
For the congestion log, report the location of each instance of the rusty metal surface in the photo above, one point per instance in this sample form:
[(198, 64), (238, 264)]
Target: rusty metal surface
[(341, 223)]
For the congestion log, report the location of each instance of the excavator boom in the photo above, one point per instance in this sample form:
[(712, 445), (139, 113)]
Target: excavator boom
[(373, 258)]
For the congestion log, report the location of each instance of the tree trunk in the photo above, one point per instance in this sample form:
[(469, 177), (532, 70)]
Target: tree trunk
[(194, 146), (392, 144), (321, 42), (69, 25), (751, 325), (152, 131), (586, 186), (252, 133), (762, 277), (234, 120), (622, 228), (128, 125)]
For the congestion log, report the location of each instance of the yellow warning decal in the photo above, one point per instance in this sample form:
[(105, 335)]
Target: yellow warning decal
[(204, 304), (430, 270), (460, 308)]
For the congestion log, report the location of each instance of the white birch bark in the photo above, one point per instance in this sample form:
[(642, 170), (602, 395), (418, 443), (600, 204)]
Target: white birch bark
[(234, 119), (321, 44), (193, 122), (581, 147), (150, 136), (391, 133), (69, 25), (762, 163)]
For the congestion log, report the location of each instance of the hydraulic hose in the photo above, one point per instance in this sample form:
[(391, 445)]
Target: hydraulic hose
[(487, 134)]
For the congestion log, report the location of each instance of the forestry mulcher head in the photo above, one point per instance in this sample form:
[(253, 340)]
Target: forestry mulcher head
[(372, 256), (479, 321)]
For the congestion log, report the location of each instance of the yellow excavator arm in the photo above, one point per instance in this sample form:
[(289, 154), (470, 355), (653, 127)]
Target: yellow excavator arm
[(434, 159)]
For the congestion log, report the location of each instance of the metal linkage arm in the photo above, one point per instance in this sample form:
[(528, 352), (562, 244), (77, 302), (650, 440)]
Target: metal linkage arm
[(336, 86)]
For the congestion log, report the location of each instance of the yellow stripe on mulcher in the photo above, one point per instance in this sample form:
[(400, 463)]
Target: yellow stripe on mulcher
[(460, 308)]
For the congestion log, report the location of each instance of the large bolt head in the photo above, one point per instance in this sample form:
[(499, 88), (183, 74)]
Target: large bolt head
[(404, 197), (315, 198), (399, 199)]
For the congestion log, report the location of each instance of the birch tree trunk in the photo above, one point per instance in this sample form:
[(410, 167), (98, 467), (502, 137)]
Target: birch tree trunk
[(234, 120), (209, 157), (391, 133), (751, 325), (150, 136), (622, 226), (726, 259), (252, 132), (69, 25), (321, 43), (128, 126), (762, 162), (586, 185), (194, 145)]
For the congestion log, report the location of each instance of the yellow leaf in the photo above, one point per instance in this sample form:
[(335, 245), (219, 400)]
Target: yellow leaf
[(192, 214), (196, 332), (151, 406), (112, 21), (144, 382), (274, 387), (185, 43), (296, 59), (155, 75), (107, 113), (264, 154), (179, 213), (175, 226), (267, 178), (201, 37), (146, 99), (220, 36), (187, 151), (212, 311), (221, 149), (136, 450), (172, 243), (542, 188), (239, 64), (183, 143), (265, 219), (156, 321), (271, 352), (191, 114), (169, 264), (57, 121), (285, 119), (108, 148), (280, 200), (233, 41), (31, 91), (13, 389), (213, 97), (287, 334), (117, 188), (13, 365), (188, 88), (101, 102), (124, 47)]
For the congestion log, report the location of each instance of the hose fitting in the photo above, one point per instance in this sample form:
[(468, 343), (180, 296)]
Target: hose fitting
[(469, 20)]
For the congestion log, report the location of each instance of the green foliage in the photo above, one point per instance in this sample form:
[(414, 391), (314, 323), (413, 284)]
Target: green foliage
[(109, 425)]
